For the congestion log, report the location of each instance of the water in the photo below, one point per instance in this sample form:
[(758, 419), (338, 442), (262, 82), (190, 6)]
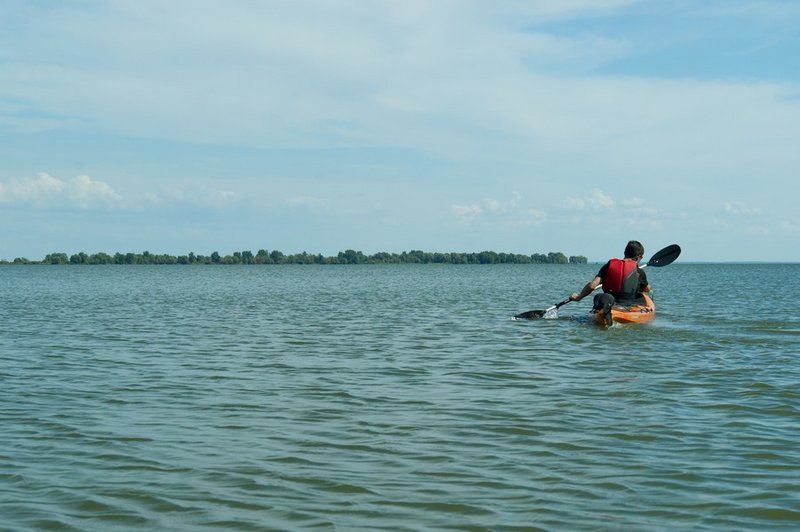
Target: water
[(395, 397)]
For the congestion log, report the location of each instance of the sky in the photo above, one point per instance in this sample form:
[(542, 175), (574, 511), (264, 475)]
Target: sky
[(394, 125)]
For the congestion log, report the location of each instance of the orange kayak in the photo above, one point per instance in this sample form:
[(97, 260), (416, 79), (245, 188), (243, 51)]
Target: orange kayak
[(632, 314)]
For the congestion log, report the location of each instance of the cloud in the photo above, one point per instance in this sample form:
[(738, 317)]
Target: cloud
[(307, 202), (84, 192), (441, 79), (191, 195), (740, 208), (596, 200), (632, 202), (760, 11), (572, 203), (271, 75), (599, 200), (638, 206), (536, 217), (501, 207), (791, 226), (596, 206), (466, 213), (499, 212), (47, 191)]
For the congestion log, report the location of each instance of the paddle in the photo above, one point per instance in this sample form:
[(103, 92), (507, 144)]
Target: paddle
[(662, 258)]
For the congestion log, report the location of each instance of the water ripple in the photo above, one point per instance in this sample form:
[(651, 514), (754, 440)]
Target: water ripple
[(395, 398)]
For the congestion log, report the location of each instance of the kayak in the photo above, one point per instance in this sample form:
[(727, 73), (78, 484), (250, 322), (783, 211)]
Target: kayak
[(628, 314)]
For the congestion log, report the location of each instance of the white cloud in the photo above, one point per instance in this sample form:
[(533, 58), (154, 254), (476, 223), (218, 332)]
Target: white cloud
[(466, 213), (312, 73), (499, 212), (637, 206), (599, 200), (574, 204), (752, 11), (48, 191), (596, 200), (307, 202), (791, 226), (193, 195), (501, 207), (740, 208), (442, 74), (632, 202), (536, 217), (84, 192)]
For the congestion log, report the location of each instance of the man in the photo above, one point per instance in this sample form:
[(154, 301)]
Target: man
[(622, 279)]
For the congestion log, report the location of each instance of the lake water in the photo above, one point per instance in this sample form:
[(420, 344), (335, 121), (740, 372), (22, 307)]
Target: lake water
[(396, 397)]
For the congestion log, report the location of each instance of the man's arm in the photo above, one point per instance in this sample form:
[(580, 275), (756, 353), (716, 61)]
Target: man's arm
[(588, 289)]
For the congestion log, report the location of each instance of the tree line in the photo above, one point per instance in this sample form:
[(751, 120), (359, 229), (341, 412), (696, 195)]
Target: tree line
[(349, 256)]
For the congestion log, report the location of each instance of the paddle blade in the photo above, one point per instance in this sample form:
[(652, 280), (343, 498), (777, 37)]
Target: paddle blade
[(531, 315), (548, 313), (665, 256)]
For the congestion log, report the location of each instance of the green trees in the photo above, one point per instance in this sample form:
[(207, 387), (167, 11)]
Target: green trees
[(348, 256), (79, 258), (56, 258), (557, 258), (351, 257)]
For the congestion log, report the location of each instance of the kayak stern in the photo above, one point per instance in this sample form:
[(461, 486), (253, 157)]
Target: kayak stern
[(628, 314)]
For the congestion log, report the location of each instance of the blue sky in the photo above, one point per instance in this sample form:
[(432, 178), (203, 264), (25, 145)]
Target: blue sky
[(319, 126)]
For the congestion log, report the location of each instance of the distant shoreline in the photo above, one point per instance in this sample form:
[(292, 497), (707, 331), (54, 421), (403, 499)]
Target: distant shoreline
[(264, 257)]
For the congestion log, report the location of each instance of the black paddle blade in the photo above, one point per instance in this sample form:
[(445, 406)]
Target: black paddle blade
[(665, 256), (530, 315), (534, 314)]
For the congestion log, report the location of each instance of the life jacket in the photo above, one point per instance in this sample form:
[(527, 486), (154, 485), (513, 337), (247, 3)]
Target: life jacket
[(622, 278)]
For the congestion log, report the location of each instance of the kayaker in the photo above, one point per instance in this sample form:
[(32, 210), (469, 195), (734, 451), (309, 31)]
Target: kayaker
[(622, 279)]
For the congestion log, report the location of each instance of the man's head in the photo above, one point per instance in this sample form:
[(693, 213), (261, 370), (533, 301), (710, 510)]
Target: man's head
[(634, 250)]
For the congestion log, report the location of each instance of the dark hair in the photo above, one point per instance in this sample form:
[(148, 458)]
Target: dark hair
[(634, 249)]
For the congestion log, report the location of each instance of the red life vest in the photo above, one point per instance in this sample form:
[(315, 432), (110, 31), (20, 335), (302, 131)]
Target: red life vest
[(622, 277)]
